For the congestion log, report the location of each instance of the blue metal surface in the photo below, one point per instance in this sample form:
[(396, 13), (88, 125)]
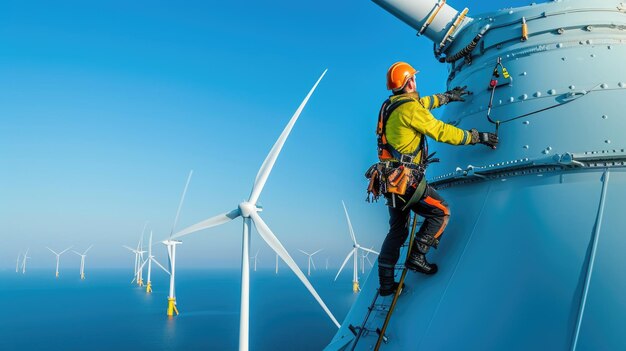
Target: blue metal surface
[(533, 256)]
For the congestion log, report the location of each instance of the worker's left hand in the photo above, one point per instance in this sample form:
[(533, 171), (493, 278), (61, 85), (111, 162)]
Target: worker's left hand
[(457, 93)]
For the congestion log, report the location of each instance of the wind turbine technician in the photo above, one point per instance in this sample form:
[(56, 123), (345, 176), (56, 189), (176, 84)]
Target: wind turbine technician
[(404, 122)]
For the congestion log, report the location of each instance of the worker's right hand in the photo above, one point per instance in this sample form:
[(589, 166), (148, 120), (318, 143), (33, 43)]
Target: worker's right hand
[(484, 138)]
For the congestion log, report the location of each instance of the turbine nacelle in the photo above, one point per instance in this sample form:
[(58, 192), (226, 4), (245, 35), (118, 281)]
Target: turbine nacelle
[(247, 208)]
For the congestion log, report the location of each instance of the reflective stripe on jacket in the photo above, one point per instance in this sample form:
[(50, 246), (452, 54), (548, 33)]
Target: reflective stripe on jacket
[(411, 120)]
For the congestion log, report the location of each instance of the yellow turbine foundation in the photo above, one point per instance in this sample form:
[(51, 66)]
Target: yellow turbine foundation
[(57, 274), (355, 287), (149, 287), (82, 276), (140, 282), (171, 306)]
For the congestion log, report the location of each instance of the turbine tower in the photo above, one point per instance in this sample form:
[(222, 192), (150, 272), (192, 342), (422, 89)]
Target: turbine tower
[(58, 257), (149, 261), (24, 261), (354, 253), (171, 254), (17, 262), (82, 261), (255, 259), (310, 260), (276, 264), (364, 257), (248, 210)]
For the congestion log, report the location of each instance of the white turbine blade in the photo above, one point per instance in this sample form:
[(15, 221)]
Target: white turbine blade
[(78, 253), (208, 223), (158, 264), (62, 252), (369, 250), (180, 204), (150, 246), (268, 164), (350, 230), (52, 251), (274, 243), (312, 262), (368, 261), (316, 252), (89, 248), (304, 252), (344, 263), (143, 264)]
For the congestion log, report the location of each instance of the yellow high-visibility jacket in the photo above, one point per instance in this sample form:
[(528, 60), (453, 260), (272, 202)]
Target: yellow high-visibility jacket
[(410, 121)]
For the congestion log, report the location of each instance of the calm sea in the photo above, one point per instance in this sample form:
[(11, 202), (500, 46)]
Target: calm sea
[(106, 312)]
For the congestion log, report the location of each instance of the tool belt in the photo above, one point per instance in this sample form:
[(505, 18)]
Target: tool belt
[(391, 177)]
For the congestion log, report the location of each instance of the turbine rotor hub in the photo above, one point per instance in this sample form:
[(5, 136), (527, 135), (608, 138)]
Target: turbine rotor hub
[(247, 208)]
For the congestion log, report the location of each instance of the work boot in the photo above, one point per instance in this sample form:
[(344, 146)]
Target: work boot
[(417, 259), (388, 285)]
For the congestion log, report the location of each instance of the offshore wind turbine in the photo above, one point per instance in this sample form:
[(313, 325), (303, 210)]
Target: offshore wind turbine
[(354, 253), (248, 210), (24, 261), (138, 276), (17, 262), (364, 257), (149, 261), (255, 259), (82, 261), (58, 257), (310, 260), (171, 255)]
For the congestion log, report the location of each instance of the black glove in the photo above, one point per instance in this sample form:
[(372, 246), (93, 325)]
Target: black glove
[(457, 94), (484, 138)]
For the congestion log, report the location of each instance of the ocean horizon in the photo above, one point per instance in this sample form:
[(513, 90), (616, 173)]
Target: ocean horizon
[(105, 311)]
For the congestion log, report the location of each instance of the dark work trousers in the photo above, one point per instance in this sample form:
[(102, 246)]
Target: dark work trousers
[(435, 211)]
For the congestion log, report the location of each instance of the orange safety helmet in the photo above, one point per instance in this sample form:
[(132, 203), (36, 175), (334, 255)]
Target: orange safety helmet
[(398, 74)]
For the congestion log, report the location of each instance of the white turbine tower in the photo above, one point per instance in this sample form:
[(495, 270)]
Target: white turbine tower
[(138, 276), (17, 262), (171, 255), (354, 253), (276, 263), (58, 257), (326, 263), (364, 257), (82, 261), (149, 261), (24, 261), (255, 259), (310, 260), (248, 210)]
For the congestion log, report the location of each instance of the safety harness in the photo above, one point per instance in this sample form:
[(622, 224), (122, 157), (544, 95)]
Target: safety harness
[(396, 172)]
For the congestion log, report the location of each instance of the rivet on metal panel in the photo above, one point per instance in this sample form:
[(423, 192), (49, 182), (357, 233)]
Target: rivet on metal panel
[(546, 151), (511, 99), (524, 73), (524, 97), (589, 41), (593, 55), (560, 30), (549, 148), (526, 147), (559, 45), (621, 84), (572, 87), (551, 91), (607, 141), (537, 94), (500, 102), (610, 47), (589, 28), (605, 116), (604, 86), (526, 122)]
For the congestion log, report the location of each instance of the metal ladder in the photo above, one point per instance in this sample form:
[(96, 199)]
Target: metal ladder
[(386, 305)]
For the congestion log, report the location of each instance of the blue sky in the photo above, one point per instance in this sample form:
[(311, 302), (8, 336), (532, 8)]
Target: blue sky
[(106, 106)]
